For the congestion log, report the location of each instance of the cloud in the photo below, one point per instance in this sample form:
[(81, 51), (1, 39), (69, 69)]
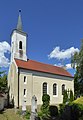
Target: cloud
[(67, 66), (62, 54), (4, 49), (59, 65)]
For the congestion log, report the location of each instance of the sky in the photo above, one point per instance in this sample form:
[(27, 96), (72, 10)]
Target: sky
[(54, 28)]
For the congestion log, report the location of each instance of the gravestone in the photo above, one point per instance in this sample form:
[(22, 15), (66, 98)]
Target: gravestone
[(33, 108), (24, 107)]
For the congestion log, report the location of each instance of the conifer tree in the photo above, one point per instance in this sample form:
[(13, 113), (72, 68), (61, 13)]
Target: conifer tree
[(71, 96), (65, 96)]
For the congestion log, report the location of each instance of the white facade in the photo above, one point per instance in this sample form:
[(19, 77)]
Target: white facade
[(16, 52)]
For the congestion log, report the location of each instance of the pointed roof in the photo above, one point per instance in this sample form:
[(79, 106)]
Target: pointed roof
[(42, 67), (19, 24)]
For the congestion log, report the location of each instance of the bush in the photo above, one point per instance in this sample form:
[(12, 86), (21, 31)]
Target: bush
[(77, 110), (53, 111), (71, 111), (27, 115), (44, 113), (66, 114), (65, 96), (71, 96), (46, 100), (61, 108)]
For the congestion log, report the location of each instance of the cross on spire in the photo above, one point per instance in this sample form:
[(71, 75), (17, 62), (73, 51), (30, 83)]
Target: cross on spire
[(19, 24)]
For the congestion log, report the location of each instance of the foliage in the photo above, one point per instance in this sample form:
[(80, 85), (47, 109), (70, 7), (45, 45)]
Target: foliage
[(53, 111), (46, 100), (3, 82), (44, 113), (19, 111), (77, 60), (71, 111), (65, 96), (61, 108), (27, 115), (76, 83), (78, 100), (77, 110), (71, 96)]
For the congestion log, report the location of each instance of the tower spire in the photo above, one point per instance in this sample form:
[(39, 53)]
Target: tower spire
[(19, 24)]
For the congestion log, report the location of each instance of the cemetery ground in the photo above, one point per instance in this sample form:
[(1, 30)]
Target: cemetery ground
[(9, 114)]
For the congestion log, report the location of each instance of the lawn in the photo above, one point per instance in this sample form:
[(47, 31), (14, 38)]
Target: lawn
[(9, 114)]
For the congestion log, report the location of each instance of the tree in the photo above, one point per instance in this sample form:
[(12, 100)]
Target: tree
[(71, 96), (45, 106), (3, 82), (77, 60)]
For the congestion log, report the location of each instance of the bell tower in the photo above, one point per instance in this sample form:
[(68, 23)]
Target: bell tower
[(18, 42)]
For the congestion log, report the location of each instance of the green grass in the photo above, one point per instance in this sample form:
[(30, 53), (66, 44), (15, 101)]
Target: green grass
[(79, 100), (10, 114)]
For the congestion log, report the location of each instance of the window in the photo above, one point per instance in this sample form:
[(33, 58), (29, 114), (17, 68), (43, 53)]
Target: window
[(45, 88), (24, 79), (63, 89), (55, 89), (20, 45), (24, 92)]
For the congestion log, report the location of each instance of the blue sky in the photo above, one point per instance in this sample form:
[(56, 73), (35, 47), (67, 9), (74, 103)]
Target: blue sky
[(50, 24)]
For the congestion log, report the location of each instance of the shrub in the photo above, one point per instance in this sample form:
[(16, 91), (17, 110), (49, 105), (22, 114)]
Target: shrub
[(66, 114), (44, 113), (27, 115), (71, 96), (77, 108), (65, 96), (75, 112), (53, 111), (61, 108), (46, 100), (72, 111)]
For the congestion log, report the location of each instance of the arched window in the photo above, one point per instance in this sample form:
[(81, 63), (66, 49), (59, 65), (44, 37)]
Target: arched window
[(63, 89), (20, 45), (54, 89), (45, 88)]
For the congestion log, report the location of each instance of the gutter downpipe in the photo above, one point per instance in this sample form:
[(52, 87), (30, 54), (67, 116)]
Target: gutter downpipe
[(18, 86)]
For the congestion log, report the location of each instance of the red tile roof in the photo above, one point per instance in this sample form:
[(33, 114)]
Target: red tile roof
[(41, 67)]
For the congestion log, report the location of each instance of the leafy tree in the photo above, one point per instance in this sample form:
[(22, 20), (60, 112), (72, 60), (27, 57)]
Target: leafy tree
[(77, 60), (76, 83), (3, 82)]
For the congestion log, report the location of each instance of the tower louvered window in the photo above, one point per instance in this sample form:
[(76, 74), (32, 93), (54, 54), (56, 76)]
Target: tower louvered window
[(20, 45)]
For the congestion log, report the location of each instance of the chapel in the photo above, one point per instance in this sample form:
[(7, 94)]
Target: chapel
[(27, 78)]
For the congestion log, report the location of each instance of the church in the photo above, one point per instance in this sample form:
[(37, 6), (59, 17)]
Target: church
[(27, 78)]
